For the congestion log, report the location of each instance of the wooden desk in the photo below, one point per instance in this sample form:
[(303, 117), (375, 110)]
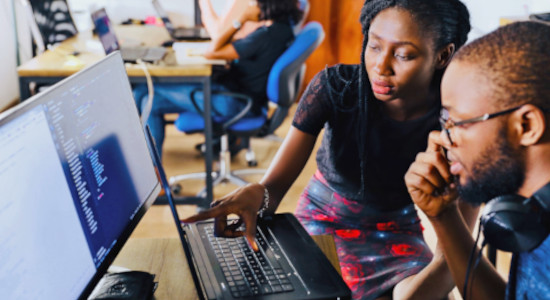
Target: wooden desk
[(59, 62), (55, 64), (165, 258)]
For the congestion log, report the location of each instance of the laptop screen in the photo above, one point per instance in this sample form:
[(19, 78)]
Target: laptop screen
[(105, 30), (163, 16), (76, 176)]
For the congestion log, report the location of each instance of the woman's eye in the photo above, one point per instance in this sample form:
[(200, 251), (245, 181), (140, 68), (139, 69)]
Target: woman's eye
[(373, 47), (403, 57)]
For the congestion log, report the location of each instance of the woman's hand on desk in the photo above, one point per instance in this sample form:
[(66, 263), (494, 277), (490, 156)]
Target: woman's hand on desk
[(244, 202)]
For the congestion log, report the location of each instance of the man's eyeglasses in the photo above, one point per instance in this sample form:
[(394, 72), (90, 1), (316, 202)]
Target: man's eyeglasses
[(447, 123)]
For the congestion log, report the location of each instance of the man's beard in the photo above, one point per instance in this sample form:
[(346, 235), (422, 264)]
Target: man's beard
[(499, 171)]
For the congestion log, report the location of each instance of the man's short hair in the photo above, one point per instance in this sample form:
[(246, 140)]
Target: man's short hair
[(515, 60)]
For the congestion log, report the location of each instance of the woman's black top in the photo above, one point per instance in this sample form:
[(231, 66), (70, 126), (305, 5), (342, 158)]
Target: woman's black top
[(330, 102)]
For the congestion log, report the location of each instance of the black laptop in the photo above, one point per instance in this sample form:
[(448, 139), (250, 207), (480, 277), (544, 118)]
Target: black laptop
[(76, 176), (180, 33), (289, 264), (110, 43)]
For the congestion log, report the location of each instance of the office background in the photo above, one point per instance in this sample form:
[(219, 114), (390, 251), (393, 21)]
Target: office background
[(333, 14)]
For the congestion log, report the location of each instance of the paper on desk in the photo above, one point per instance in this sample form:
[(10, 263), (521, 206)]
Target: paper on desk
[(189, 53)]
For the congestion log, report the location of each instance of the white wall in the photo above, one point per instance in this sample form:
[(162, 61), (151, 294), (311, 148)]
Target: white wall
[(485, 14), (9, 89), (179, 11)]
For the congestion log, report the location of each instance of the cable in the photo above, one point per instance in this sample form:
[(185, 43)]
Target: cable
[(148, 107), (478, 259), (470, 258)]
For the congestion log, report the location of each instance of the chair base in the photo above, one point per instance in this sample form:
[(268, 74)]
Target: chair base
[(223, 175)]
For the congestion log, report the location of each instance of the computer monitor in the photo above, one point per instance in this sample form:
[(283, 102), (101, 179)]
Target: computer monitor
[(76, 176)]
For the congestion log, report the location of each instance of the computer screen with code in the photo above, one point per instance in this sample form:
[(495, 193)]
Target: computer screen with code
[(76, 176)]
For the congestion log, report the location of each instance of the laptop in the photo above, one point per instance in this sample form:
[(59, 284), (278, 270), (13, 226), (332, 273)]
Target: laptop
[(110, 43), (76, 176), (289, 264), (181, 33)]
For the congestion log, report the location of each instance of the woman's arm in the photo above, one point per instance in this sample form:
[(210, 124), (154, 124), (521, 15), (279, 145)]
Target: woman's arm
[(246, 201), (209, 17), (311, 115), (215, 24), (220, 46), (287, 165)]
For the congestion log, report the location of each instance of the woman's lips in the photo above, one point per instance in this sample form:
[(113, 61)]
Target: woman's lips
[(381, 87)]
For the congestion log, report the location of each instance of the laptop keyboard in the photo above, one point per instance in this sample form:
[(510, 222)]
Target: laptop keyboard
[(250, 273)]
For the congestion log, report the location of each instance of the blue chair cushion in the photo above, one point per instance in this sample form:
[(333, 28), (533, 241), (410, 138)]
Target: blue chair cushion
[(249, 123), (190, 122)]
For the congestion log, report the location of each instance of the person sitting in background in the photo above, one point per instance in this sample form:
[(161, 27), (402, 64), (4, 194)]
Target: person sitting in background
[(504, 77), (215, 24), (376, 117), (251, 60)]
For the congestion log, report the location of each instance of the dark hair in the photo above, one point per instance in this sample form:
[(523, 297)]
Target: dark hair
[(448, 21), (285, 11), (515, 59)]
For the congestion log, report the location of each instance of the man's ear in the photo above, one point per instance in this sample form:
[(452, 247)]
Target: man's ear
[(444, 56), (531, 124)]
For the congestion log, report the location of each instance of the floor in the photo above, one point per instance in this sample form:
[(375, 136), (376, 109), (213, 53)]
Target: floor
[(180, 156)]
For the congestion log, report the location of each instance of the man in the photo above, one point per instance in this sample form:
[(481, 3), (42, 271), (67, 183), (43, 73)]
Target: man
[(506, 75)]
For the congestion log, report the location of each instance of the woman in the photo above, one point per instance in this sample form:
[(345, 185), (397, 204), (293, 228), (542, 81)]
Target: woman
[(376, 116), (251, 60)]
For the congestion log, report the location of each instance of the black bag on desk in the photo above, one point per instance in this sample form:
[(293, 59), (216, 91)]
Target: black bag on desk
[(125, 285)]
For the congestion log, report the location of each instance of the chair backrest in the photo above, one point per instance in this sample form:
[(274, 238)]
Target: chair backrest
[(304, 7), (286, 75), (54, 20)]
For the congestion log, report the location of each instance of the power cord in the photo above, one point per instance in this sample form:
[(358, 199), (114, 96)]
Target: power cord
[(470, 268), (151, 92)]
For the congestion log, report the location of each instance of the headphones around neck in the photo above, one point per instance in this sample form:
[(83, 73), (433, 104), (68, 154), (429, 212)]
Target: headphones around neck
[(516, 224)]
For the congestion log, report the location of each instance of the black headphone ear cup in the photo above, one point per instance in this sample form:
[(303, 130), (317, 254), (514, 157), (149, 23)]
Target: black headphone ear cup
[(509, 224)]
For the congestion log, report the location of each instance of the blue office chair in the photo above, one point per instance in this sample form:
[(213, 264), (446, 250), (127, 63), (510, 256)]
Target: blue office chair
[(284, 81), (304, 7)]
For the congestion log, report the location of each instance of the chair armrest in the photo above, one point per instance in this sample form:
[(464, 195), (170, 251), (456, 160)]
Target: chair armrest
[(240, 97)]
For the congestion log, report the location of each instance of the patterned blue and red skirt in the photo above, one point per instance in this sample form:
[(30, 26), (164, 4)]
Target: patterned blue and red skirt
[(376, 249)]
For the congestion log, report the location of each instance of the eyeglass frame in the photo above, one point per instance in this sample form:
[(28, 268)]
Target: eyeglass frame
[(446, 127)]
